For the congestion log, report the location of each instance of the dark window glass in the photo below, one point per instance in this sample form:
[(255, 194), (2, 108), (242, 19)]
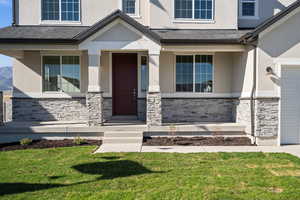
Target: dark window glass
[(144, 73), (248, 7), (203, 9), (51, 73), (50, 9), (70, 10), (70, 81), (203, 73), (184, 73), (184, 9), (61, 74), (128, 6)]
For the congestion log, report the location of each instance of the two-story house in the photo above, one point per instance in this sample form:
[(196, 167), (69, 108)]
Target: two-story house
[(159, 60)]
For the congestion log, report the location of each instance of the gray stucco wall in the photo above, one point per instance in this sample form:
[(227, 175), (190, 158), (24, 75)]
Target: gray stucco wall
[(198, 110)]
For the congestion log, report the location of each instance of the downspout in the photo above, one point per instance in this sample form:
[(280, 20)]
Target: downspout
[(13, 12), (252, 98)]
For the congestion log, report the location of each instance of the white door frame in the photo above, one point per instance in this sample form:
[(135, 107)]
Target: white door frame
[(280, 62)]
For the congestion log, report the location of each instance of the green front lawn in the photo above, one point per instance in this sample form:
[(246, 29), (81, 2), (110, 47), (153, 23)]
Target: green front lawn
[(74, 173)]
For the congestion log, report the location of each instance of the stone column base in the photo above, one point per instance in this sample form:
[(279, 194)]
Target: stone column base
[(154, 116), (94, 103)]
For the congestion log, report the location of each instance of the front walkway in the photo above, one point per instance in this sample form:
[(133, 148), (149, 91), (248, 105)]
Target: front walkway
[(291, 149)]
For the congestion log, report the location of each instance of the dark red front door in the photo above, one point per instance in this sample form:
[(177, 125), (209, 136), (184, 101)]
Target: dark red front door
[(124, 83)]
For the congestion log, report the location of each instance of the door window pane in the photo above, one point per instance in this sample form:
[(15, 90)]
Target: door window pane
[(184, 73), (128, 6), (70, 80), (50, 10), (203, 73), (183, 9), (51, 73), (144, 73)]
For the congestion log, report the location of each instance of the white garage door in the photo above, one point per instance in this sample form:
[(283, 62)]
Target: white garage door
[(290, 105)]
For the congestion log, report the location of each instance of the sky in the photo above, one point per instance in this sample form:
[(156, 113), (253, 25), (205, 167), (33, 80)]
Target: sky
[(5, 20)]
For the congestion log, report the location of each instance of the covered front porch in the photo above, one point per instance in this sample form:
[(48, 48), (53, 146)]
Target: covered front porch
[(123, 70)]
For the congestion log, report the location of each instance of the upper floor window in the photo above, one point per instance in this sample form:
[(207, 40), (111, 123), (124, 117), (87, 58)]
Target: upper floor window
[(248, 8), (193, 9), (130, 7), (61, 10)]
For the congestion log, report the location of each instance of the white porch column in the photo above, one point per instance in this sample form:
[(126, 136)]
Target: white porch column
[(94, 98), (154, 115)]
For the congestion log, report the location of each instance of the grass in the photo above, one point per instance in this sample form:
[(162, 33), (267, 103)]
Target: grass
[(75, 173)]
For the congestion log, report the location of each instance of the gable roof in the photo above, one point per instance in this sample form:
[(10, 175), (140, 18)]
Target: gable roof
[(110, 18), (270, 21)]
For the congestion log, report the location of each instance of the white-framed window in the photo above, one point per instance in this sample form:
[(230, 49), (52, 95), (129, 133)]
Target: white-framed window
[(194, 73), (61, 74), (248, 9), (194, 9), (130, 7), (144, 73), (61, 10)]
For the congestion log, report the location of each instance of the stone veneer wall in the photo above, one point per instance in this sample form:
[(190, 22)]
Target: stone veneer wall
[(94, 103), (1, 108), (154, 109), (49, 109), (197, 110), (242, 113), (267, 117)]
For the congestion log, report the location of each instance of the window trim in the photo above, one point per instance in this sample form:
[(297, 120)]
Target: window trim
[(137, 9), (60, 21), (241, 16), (194, 74), (60, 62), (193, 20)]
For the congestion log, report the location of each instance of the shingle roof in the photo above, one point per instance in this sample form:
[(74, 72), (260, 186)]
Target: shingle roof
[(75, 34), (269, 22), (40, 33), (201, 36)]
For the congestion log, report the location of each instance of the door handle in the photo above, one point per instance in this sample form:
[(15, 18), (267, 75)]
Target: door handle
[(134, 92)]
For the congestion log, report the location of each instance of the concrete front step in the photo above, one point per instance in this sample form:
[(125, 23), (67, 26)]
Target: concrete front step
[(122, 140), (123, 134)]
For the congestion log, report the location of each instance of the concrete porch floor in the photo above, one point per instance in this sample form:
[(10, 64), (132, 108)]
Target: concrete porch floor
[(14, 131), (82, 127)]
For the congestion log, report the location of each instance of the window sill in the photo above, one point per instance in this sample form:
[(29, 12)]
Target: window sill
[(190, 21), (134, 16), (249, 17), (56, 95), (50, 22), (196, 95)]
